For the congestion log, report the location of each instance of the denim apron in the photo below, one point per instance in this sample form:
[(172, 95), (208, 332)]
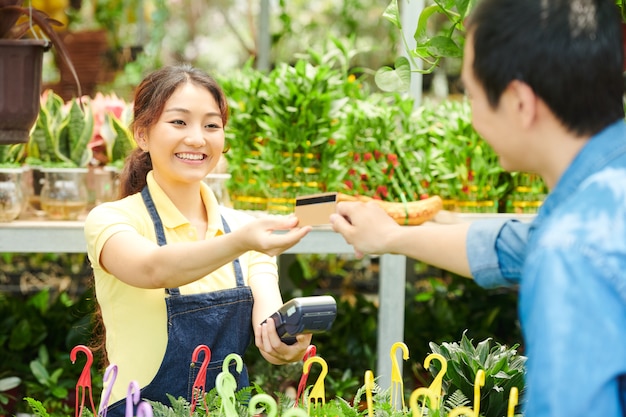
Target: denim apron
[(220, 320)]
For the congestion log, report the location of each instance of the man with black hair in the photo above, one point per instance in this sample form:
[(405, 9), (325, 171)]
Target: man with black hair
[(545, 82)]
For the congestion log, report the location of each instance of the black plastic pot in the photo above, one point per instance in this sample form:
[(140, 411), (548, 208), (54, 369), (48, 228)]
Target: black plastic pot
[(20, 87)]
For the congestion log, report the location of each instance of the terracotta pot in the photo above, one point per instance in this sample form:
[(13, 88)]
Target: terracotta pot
[(20, 87)]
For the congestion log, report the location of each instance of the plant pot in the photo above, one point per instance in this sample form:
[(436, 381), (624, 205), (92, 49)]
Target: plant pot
[(20, 87), (64, 194)]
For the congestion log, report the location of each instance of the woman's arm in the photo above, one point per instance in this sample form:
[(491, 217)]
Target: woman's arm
[(142, 263)]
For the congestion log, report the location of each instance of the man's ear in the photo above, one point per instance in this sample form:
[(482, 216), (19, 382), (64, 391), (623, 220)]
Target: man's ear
[(525, 101)]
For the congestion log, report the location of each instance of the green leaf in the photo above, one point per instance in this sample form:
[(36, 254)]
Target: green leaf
[(398, 79), (422, 23), (9, 383), (392, 14), (444, 46), (40, 372)]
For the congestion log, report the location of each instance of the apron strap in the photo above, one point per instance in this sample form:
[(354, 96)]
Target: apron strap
[(236, 263), (160, 234), (158, 225)]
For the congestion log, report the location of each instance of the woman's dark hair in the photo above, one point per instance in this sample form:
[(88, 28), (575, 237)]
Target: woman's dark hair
[(568, 51), (150, 98)]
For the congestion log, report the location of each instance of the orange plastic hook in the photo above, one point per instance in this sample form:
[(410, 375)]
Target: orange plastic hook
[(199, 385), (310, 352), (83, 386)]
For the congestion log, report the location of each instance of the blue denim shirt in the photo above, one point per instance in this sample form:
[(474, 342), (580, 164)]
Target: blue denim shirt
[(570, 265)]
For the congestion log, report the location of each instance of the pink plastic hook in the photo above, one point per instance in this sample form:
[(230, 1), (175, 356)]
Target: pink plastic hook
[(199, 384), (110, 375), (310, 352), (144, 409), (132, 398), (83, 386)]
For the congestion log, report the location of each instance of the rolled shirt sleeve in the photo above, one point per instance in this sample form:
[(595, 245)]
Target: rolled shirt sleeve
[(496, 250)]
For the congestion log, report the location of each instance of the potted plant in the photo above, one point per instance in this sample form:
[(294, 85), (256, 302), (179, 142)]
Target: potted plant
[(111, 143), (21, 61), (58, 148)]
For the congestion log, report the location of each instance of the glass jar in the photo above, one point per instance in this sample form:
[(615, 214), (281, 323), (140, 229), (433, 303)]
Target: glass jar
[(11, 194), (64, 193), (103, 185)]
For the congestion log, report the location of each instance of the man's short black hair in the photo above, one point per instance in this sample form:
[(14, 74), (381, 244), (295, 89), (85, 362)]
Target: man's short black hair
[(568, 51)]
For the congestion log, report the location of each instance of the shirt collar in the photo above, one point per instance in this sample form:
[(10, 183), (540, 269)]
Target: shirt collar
[(599, 150), (172, 218)]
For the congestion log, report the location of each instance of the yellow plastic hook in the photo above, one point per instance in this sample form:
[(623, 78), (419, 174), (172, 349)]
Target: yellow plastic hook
[(397, 386), (436, 385)]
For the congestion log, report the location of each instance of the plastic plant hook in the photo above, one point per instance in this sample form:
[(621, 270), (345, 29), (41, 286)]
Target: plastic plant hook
[(397, 386), (225, 385), (199, 385), (436, 385), (479, 381), (513, 398), (310, 352), (110, 375), (83, 386), (228, 359), (132, 398), (369, 387), (428, 394), (461, 411), (318, 393), (271, 408), (144, 409)]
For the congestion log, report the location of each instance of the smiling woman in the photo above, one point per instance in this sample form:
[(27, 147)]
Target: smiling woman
[(168, 239)]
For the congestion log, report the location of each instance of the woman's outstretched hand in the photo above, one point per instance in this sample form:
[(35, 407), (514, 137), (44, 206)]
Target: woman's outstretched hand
[(272, 235)]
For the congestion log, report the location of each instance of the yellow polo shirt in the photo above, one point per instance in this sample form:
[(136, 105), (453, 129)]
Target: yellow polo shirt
[(136, 318)]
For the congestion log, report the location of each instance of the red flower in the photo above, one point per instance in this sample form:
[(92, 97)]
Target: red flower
[(367, 156), (349, 184), (393, 159), (377, 154), (382, 191)]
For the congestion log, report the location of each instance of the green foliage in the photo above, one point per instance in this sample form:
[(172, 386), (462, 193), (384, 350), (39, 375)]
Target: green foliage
[(61, 134), (12, 155), (284, 128), (432, 44), (37, 332), (503, 368)]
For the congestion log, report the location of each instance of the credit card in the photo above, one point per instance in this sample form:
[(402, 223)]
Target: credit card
[(315, 209)]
